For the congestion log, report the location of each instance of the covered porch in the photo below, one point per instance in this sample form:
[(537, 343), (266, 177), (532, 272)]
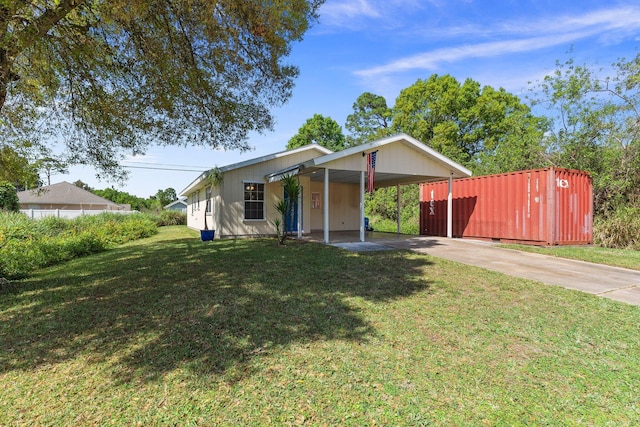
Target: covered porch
[(400, 160)]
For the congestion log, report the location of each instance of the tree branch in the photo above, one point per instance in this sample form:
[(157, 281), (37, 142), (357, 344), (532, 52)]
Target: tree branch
[(40, 26)]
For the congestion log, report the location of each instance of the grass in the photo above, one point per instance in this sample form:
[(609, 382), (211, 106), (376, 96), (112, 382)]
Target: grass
[(625, 258), (388, 226), (172, 331)]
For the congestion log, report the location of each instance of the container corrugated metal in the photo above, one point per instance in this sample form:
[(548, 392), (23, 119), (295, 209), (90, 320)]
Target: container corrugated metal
[(549, 206)]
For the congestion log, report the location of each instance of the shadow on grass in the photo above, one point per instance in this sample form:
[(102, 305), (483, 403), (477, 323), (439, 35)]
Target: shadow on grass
[(148, 308)]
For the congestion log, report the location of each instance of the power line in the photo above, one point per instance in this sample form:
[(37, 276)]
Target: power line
[(162, 169), (165, 164)]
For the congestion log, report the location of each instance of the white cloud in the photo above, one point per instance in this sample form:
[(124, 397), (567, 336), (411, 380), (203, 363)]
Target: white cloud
[(357, 14), (343, 13), (432, 60), (622, 18), (605, 24)]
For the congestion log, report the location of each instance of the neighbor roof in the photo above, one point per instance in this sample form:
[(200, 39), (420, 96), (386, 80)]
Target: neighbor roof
[(62, 192), (181, 201)]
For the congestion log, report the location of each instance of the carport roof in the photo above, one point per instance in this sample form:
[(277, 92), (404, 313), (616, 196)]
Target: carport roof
[(316, 167)]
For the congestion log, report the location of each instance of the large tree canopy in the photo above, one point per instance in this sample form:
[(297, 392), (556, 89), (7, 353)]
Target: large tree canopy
[(485, 129), (596, 127), (371, 119), (110, 77), (319, 130)]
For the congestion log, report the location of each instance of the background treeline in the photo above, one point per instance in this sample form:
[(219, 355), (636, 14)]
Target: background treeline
[(153, 203), (577, 118)]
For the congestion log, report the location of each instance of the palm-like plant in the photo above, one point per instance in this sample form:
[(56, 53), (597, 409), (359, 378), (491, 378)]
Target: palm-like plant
[(286, 206)]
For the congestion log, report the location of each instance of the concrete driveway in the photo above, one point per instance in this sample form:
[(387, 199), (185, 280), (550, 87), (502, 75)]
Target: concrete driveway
[(612, 282)]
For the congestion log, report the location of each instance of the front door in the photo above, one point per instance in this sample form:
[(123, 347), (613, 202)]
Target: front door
[(291, 221)]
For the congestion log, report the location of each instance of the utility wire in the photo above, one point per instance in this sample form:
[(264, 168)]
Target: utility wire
[(163, 164), (162, 169)]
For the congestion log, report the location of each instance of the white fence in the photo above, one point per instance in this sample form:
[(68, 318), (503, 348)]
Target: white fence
[(64, 213)]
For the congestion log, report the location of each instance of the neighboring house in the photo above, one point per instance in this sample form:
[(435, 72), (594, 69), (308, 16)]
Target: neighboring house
[(178, 205), (65, 197), (333, 186)]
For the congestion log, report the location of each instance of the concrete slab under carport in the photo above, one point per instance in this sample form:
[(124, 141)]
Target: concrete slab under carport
[(616, 283)]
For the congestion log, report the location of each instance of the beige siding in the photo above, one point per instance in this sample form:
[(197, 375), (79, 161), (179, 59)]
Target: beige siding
[(356, 162), (344, 207), (195, 211), (394, 158), (228, 199), (412, 161), (232, 222)]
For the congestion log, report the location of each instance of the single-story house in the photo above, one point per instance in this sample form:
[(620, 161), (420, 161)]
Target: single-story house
[(333, 186), (66, 196), (178, 205)]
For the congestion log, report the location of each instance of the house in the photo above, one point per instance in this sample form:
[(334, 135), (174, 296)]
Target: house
[(333, 186), (67, 198), (178, 205)]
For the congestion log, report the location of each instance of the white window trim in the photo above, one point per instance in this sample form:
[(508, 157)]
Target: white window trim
[(264, 201)]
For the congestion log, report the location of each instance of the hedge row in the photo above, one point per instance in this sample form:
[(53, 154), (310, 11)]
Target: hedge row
[(26, 244), (618, 230)]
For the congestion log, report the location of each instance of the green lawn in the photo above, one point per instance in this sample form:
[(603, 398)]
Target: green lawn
[(625, 258), (172, 331)]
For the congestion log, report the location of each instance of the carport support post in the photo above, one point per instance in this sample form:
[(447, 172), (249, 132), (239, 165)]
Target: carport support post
[(362, 206), (326, 206), (450, 209), (398, 206)]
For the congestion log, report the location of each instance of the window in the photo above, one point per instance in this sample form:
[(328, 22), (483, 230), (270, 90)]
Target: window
[(207, 195), (253, 200), (315, 200), (198, 199)]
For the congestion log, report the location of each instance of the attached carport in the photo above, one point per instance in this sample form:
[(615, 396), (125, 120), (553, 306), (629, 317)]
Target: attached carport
[(400, 160)]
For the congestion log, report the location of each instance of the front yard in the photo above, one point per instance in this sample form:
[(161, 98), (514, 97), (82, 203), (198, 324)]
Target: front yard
[(173, 331)]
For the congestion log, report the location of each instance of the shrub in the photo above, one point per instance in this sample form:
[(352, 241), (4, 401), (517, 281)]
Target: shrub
[(26, 244), (169, 217), (618, 230)]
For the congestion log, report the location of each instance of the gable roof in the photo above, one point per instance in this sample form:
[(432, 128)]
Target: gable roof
[(316, 166), (62, 193), (402, 137), (181, 201), (254, 161)]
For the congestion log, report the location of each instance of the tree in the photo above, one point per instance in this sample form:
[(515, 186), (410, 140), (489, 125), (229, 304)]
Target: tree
[(84, 186), (486, 130), (8, 197), (470, 124), (16, 168), (319, 130), (124, 198), (114, 77), (371, 119), (596, 127), (51, 166), (164, 197)]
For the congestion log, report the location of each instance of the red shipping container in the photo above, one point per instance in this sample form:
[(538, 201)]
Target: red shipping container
[(544, 207)]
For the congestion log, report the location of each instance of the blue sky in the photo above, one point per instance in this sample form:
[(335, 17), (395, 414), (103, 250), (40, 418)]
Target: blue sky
[(384, 46)]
